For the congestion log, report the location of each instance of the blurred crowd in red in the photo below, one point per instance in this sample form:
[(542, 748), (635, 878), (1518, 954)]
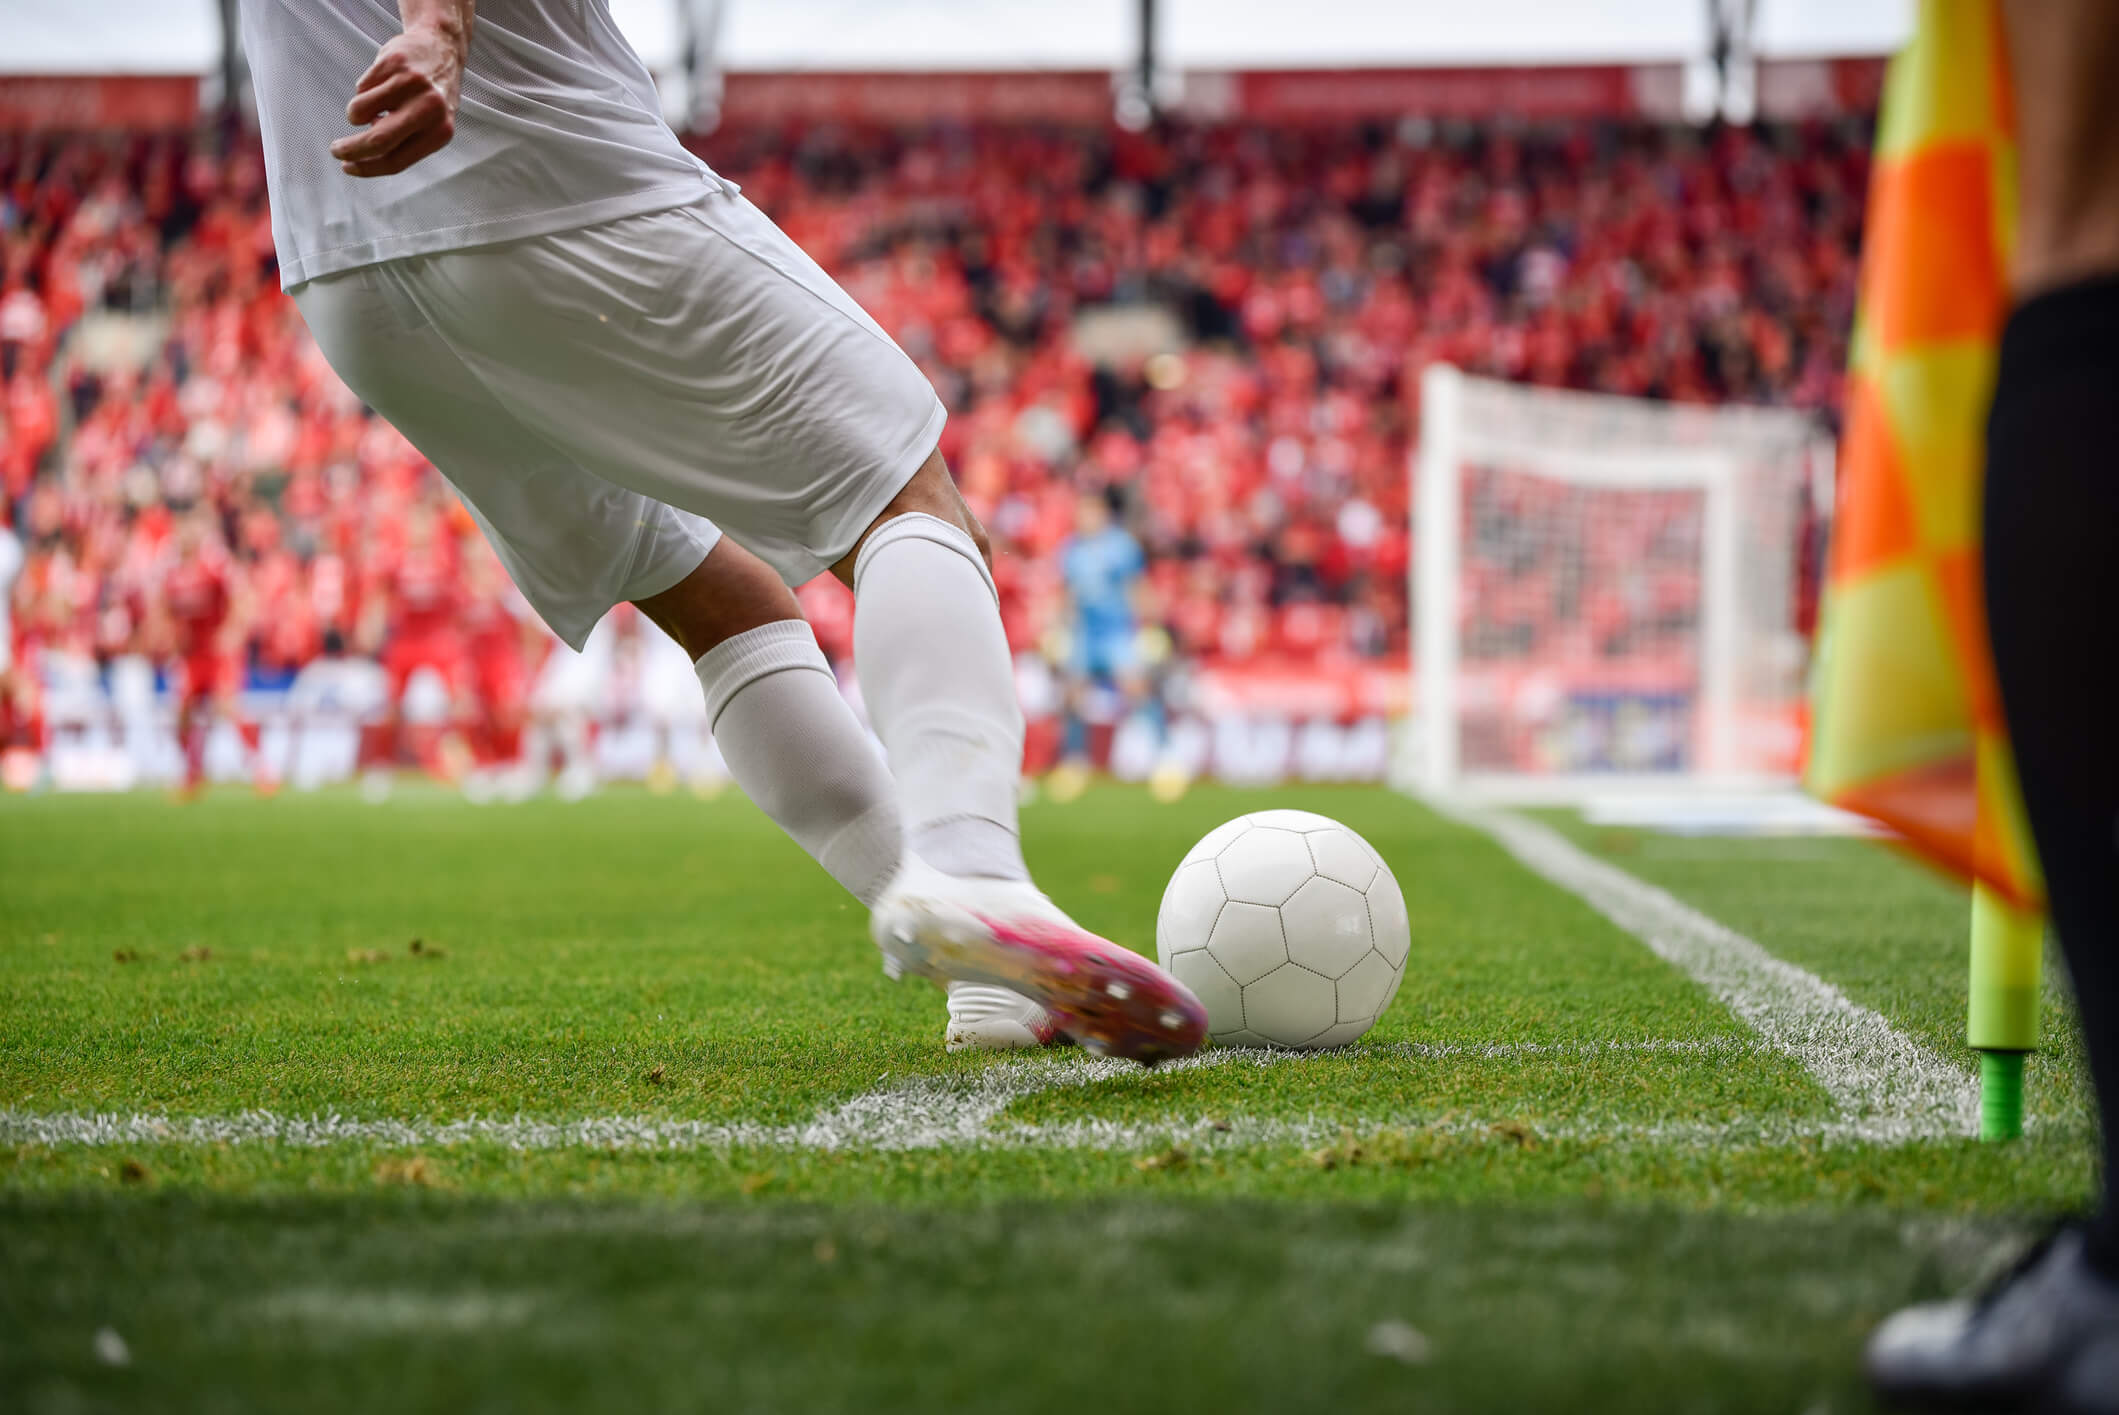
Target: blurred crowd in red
[(1261, 429)]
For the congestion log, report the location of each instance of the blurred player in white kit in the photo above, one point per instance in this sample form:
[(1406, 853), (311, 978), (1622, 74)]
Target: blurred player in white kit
[(629, 675), (660, 691), (573, 690), (615, 358)]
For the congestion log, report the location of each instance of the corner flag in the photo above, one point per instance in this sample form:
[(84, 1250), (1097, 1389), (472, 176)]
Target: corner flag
[(1906, 718)]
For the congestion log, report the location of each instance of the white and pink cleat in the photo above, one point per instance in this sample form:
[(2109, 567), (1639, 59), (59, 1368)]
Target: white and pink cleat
[(986, 1018), (1006, 934)]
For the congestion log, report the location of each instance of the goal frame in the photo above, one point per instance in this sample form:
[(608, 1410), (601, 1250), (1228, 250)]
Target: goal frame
[(1448, 443)]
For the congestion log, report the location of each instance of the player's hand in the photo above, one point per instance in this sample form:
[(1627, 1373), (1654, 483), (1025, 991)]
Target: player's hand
[(405, 103)]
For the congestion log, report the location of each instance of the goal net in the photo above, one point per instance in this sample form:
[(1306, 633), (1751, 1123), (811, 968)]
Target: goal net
[(1607, 591)]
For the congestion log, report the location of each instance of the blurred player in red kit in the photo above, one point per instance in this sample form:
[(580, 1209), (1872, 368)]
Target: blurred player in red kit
[(410, 619), (499, 640), (21, 714), (23, 737), (203, 627)]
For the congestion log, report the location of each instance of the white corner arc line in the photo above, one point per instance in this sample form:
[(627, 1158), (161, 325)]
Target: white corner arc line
[(966, 1111), (1886, 1087)]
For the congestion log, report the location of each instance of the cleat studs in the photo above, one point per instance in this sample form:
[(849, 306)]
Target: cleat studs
[(1171, 1020), (1118, 991)]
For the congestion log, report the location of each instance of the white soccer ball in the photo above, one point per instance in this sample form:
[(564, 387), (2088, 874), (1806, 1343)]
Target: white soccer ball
[(1289, 927)]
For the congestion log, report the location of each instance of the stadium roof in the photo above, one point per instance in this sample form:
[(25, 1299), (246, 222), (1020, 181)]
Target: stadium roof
[(181, 36)]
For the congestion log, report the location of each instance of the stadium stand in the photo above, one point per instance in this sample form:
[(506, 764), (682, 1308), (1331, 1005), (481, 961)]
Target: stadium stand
[(1225, 320)]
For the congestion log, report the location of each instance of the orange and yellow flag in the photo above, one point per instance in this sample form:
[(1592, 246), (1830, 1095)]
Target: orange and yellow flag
[(1906, 720)]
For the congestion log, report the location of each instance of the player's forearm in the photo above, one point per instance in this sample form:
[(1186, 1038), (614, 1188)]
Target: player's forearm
[(451, 18)]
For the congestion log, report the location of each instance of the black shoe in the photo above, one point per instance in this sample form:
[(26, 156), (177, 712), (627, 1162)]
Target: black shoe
[(2044, 1337)]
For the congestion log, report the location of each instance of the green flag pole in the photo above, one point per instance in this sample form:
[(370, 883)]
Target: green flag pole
[(2008, 960)]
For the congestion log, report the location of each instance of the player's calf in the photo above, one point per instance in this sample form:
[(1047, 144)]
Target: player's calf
[(773, 705)]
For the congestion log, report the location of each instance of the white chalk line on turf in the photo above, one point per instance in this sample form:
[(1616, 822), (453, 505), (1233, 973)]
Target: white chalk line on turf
[(963, 1110), (1886, 1087)]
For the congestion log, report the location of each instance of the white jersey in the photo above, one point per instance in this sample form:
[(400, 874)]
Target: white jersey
[(558, 129)]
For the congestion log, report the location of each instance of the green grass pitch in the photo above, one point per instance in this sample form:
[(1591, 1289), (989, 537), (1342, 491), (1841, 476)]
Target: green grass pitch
[(637, 1124)]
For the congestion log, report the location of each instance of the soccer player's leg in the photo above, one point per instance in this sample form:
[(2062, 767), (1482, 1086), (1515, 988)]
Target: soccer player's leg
[(381, 734), (698, 358), (22, 729), (564, 749), (428, 677), (195, 684), (939, 682), (675, 713), (228, 707), (2046, 1336), (789, 738), (210, 690), (983, 1017), (501, 691), (450, 756)]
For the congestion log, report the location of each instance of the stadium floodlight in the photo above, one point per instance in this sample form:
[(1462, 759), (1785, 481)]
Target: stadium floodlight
[(1607, 591)]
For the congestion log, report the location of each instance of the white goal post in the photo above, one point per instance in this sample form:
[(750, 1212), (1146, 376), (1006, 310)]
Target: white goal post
[(1606, 591)]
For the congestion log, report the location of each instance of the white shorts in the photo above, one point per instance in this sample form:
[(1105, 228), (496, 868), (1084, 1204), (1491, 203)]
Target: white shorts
[(604, 398)]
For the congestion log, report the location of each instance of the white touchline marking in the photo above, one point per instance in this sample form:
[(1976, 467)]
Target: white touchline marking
[(964, 1110), (1886, 1086)]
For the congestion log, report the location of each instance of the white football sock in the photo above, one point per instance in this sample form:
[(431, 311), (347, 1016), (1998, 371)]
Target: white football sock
[(797, 750), (940, 687)]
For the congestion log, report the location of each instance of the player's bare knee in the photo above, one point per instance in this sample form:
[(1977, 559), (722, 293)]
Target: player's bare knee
[(730, 592), (930, 491)]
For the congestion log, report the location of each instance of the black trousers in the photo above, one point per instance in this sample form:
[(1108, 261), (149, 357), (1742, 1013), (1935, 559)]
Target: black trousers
[(2052, 586)]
